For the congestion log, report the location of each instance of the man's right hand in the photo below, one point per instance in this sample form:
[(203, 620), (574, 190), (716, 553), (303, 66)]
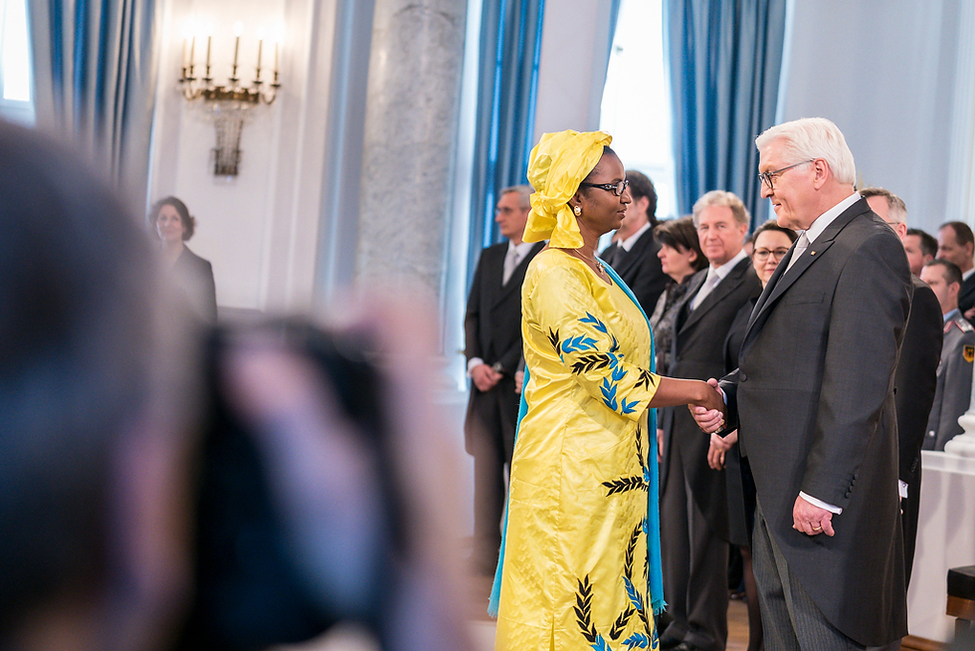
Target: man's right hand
[(485, 377), (710, 417)]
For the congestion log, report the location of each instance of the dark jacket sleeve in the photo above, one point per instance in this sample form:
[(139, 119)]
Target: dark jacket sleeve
[(472, 319), (917, 376)]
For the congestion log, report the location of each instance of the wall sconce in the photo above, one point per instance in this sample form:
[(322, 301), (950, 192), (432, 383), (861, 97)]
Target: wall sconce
[(227, 103)]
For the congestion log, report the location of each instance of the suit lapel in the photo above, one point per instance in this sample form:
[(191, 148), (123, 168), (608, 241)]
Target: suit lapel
[(628, 258), (721, 290), (781, 279), (517, 276), (693, 288)]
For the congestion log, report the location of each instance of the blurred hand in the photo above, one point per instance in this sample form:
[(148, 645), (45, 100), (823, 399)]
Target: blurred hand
[(519, 380), (660, 446), (969, 313), (485, 377)]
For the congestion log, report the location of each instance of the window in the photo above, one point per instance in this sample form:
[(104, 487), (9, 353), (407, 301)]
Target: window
[(15, 68), (636, 99)]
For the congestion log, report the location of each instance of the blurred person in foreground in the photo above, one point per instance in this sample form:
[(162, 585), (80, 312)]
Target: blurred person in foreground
[(118, 418), (580, 560), (771, 243), (820, 431), (173, 223), (94, 451)]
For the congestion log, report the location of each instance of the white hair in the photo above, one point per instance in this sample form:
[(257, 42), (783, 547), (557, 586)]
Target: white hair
[(808, 138)]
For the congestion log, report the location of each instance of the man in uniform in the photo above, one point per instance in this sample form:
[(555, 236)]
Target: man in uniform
[(953, 393)]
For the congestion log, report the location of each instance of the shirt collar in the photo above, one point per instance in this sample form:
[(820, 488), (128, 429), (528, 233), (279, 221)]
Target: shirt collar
[(628, 243), (954, 314), (726, 268), (824, 220)]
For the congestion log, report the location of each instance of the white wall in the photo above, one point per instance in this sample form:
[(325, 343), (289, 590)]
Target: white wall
[(572, 65), (897, 77)]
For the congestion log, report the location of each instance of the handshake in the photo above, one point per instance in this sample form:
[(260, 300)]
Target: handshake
[(709, 413)]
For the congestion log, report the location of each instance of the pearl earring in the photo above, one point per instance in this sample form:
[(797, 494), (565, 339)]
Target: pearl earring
[(577, 210)]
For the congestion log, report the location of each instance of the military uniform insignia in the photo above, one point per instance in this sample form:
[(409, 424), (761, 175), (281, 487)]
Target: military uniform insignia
[(968, 352), (964, 325)]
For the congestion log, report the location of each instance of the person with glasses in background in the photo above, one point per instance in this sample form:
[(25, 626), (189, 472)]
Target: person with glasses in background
[(813, 402), (492, 327), (693, 502), (580, 563), (771, 243)]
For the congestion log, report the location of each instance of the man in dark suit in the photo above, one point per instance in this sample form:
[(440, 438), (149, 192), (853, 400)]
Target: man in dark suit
[(956, 244), (916, 377), (954, 376), (493, 332), (633, 254), (813, 402), (693, 502)]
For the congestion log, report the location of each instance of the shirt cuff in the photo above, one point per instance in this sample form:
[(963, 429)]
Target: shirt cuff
[(821, 504), (472, 363), (902, 489)]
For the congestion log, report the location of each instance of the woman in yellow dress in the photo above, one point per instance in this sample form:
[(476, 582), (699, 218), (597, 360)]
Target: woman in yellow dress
[(580, 563)]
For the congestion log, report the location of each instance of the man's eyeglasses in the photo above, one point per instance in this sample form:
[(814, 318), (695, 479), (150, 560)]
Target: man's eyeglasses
[(767, 177), (616, 188), (762, 254)]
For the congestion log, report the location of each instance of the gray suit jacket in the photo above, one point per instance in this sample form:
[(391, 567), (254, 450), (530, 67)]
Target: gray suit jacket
[(813, 399), (954, 389)]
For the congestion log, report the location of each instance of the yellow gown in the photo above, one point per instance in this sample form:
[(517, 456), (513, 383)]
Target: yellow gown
[(575, 557)]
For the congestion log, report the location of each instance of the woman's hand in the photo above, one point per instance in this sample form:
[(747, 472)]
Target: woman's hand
[(709, 411)]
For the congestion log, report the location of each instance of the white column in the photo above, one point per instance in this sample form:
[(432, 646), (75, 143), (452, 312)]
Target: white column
[(412, 110)]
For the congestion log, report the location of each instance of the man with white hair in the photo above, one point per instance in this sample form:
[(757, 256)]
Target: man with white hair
[(813, 402)]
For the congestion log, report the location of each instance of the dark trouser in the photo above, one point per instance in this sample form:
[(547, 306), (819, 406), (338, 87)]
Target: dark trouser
[(910, 506), (493, 416), (791, 620), (695, 565)]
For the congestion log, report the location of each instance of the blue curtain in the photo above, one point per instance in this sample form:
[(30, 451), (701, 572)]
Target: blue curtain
[(510, 45), (95, 66), (724, 59)]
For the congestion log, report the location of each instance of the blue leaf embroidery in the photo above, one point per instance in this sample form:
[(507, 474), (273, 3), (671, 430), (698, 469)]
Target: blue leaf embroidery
[(609, 393), (628, 407), (636, 641), (596, 323), (576, 344)]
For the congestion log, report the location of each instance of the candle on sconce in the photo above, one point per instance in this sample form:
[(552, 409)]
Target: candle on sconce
[(209, 39), (260, 45), (238, 30), (276, 57), (192, 52)]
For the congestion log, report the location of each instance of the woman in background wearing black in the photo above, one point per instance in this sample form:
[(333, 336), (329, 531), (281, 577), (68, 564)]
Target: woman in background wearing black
[(171, 220)]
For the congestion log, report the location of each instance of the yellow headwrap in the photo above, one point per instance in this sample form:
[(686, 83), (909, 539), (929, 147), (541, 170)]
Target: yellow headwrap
[(557, 165)]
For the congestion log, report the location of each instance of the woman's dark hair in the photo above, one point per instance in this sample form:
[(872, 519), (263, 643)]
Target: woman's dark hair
[(189, 222), (642, 186), (681, 234), (771, 225)]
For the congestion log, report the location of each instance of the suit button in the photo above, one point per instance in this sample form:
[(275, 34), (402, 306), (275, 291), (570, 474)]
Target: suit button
[(742, 377)]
